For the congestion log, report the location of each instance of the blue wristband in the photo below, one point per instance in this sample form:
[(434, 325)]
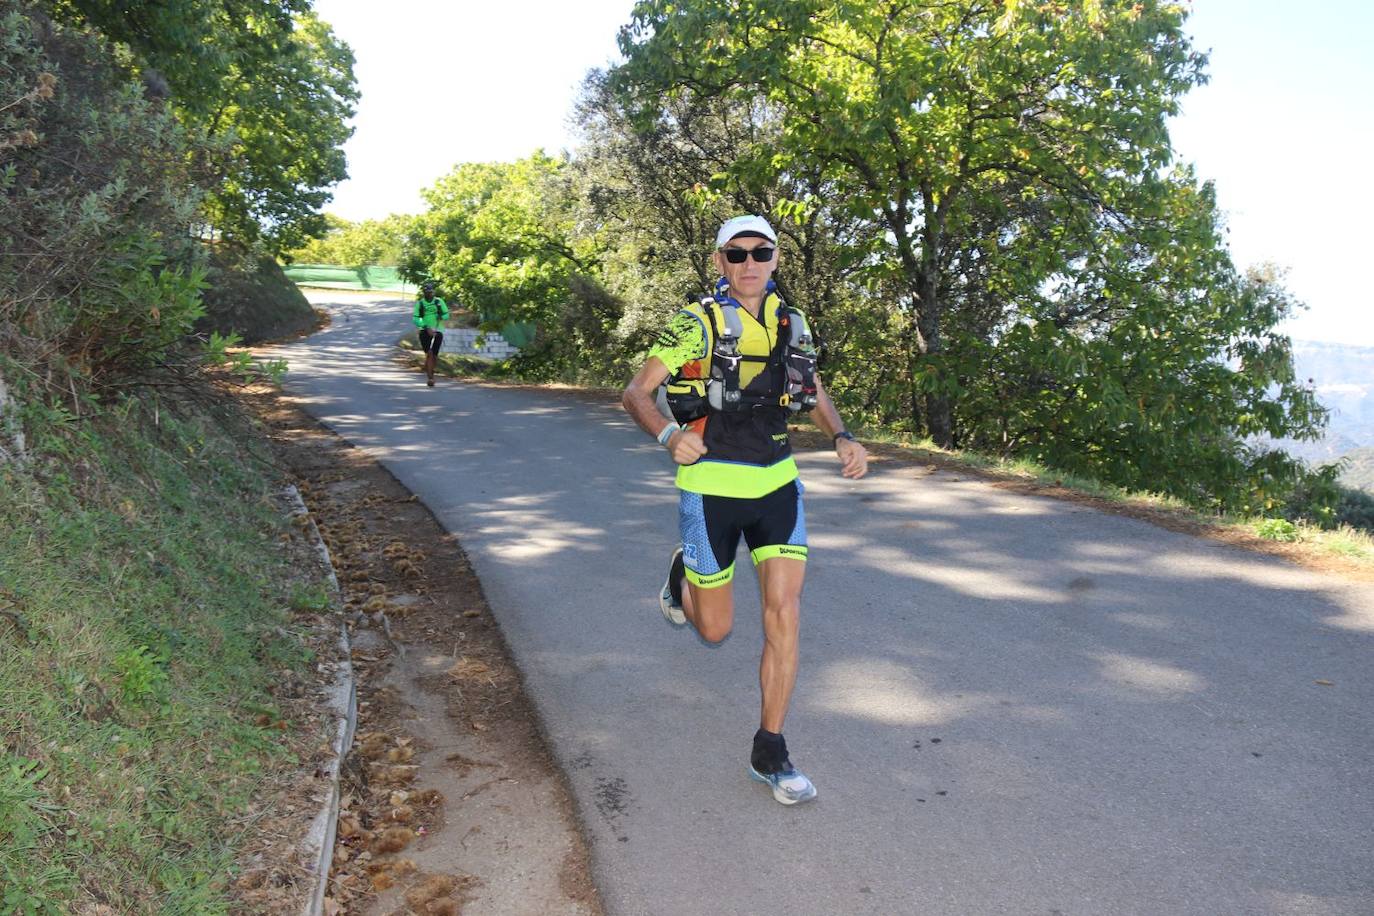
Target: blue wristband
[(667, 433)]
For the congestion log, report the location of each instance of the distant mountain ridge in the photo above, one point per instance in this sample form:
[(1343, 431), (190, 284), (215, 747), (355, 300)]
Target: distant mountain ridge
[(1360, 472), (1343, 377)]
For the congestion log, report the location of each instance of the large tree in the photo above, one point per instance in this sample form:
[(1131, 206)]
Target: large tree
[(265, 81), (498, 237), (1010, 172), (918, 109)]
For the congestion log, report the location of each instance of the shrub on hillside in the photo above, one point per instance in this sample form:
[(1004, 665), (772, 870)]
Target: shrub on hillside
[(1356, 509), (1320, 498), (101, 186), (248, 295)]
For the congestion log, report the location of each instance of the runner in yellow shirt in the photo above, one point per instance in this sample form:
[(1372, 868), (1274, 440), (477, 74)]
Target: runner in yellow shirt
[(739, 366)]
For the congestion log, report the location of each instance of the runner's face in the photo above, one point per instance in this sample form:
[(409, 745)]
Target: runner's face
[(749, 278)]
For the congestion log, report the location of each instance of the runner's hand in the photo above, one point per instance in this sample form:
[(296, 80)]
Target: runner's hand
[(853, 458), (686, 446)]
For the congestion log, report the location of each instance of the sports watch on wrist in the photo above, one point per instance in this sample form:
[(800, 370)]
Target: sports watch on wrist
[(842, 434)]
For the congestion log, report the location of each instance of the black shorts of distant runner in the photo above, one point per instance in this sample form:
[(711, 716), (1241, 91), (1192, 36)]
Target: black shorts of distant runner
[(431, 341)]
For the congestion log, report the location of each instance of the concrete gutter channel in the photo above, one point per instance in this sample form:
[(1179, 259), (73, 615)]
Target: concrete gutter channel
[(317, 850)]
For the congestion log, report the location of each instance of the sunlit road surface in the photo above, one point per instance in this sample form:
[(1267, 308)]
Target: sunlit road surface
[(1009, 704)]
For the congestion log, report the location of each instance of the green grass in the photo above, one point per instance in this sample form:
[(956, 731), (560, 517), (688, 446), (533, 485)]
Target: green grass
[(1347, 542), (144, 594), (1277, 529)]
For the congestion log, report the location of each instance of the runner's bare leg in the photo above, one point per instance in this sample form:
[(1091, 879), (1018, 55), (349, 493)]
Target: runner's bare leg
[(780, 587)]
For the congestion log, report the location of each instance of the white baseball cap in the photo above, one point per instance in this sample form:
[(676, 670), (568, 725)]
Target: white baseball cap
[(745, 225)]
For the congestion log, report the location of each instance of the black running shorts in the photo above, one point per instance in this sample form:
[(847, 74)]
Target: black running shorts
[(772, 526), (431, 341)]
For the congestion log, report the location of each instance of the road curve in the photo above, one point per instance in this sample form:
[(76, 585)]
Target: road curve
[(1009, 704)]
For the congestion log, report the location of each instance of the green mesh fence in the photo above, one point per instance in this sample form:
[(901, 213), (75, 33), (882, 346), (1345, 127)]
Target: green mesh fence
[(332, 276)]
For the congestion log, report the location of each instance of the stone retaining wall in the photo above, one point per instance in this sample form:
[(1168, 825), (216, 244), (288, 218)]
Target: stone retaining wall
[(465, 341)]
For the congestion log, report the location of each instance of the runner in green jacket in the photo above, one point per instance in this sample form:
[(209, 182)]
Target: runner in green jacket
[(430, 314)]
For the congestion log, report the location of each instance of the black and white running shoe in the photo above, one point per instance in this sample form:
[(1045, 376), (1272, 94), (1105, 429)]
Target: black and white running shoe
[(769, 764), (670, 596)]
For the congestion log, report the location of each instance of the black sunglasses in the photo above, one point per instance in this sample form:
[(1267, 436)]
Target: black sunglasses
[(763, 254)]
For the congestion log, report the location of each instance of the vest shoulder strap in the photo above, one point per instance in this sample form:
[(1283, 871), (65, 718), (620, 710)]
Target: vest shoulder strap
[(797, 326), (733, 326), (707, 312)]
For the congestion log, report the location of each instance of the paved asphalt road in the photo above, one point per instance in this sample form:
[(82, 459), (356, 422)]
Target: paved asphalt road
[(1009, 704)]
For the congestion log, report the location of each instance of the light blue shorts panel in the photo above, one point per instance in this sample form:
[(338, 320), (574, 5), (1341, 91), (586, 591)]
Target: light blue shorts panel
[(697, 554)]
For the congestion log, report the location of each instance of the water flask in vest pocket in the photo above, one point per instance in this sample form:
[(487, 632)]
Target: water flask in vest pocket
[(801, 369), (722, 389)]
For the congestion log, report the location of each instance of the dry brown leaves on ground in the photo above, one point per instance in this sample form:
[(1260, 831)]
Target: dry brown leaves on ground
[(382, 542)]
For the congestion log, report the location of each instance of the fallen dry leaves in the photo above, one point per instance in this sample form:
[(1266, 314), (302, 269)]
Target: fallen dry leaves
[(383, 542)]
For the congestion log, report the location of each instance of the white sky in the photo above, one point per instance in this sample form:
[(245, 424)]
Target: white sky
[(1285, 127)]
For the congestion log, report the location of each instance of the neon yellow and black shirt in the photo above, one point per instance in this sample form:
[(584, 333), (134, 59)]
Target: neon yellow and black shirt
[(747, 452), (430, 313)]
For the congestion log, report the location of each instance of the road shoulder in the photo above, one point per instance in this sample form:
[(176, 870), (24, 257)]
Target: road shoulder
[(451, 798)]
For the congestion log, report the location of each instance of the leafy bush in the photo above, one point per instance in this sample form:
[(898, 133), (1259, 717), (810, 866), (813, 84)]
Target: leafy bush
[(1277, 529), (102, 275), (1321, 499), (142, 674), (1355, 508)]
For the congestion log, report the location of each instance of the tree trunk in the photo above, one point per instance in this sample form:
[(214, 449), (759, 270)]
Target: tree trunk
[(939, 416), (938, 411)]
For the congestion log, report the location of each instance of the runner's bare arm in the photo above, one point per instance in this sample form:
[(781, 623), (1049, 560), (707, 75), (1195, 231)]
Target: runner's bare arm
[(639, 400), (853, 456)]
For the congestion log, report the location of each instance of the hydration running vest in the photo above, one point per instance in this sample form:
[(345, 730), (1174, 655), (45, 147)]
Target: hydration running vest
[(787, 378), (751, 376)]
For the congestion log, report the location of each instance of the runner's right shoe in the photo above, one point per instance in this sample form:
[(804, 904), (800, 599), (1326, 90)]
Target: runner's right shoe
[(670, 596), (769, 764), (790, 786)]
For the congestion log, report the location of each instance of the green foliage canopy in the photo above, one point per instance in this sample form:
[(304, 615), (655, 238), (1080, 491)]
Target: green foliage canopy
[(921, 113), (266, 80), (1051, 285), (367, 243), (499, 239)]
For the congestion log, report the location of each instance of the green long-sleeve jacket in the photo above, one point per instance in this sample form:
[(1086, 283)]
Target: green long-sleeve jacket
[(429, 313)]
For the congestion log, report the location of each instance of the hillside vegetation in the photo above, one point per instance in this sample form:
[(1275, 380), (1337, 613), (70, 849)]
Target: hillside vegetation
[(1359, 470), (146, 601), (249, 297), (145, 624)]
